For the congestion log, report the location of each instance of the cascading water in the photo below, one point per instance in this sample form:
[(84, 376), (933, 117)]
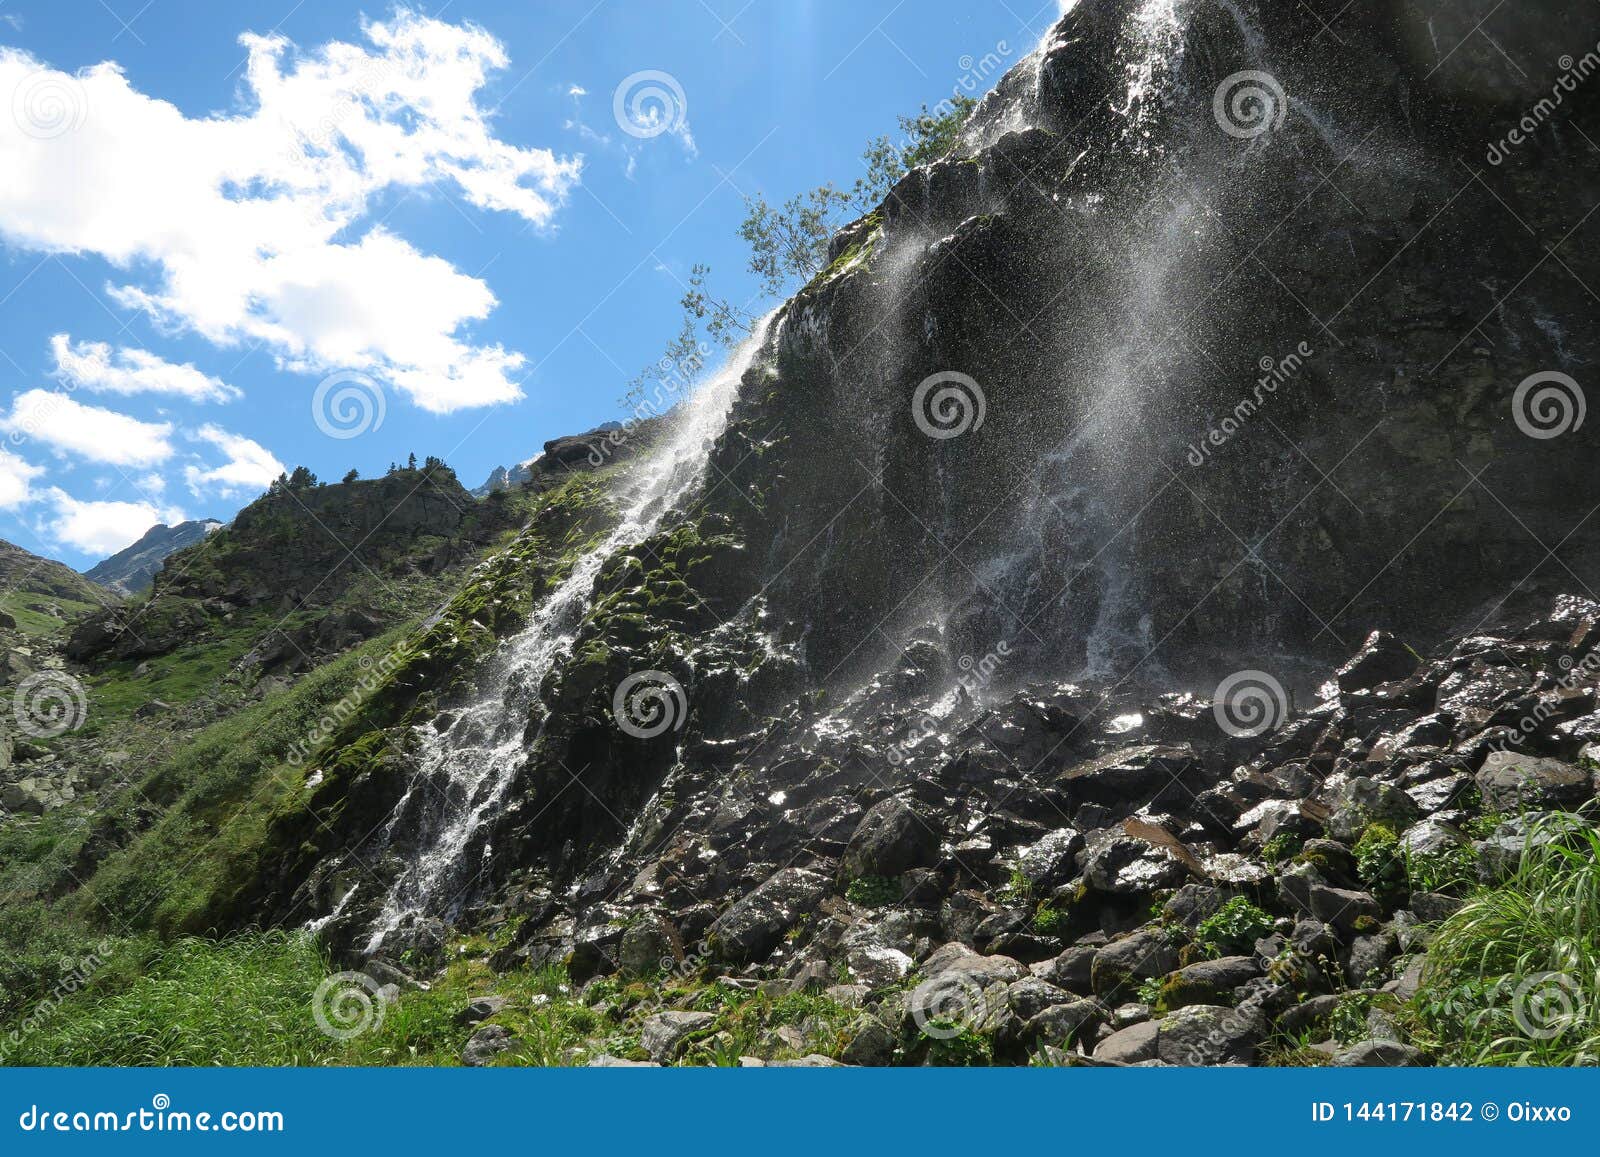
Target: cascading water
[(464, 771)]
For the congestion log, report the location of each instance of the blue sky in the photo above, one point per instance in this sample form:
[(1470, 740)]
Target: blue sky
[(208, 210)]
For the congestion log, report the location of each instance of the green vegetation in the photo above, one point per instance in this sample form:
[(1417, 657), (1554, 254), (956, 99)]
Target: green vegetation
[(1233, 928), (38, 614), (873, 891), (1513, 978), (1281, 847), (788, 246), (1380, 861)]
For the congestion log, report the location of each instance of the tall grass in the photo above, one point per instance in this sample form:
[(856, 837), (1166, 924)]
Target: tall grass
[(1513, 978), (246, 1000)]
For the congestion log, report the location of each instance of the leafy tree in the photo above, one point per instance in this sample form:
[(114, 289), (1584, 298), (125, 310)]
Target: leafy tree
[(791, 243)]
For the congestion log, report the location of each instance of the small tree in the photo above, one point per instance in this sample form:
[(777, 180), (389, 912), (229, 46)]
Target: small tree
[(352, 476), (791, 243)]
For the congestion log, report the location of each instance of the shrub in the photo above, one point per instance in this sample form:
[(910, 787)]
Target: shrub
[(1234, 927)]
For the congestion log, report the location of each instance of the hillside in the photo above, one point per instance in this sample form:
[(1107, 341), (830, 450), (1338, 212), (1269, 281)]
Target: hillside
[(132, 570), (1107, 616), (39, 595)]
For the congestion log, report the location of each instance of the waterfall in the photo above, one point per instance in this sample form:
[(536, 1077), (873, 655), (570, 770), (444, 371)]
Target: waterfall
[(463, 772)]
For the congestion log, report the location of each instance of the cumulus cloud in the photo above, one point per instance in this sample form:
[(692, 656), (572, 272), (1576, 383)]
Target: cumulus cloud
[(64, 424), (253, 221), (96, 367), (250, 466), (15, 476), (102, 528)]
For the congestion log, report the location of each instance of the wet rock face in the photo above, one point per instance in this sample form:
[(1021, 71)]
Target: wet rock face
[(1076, 497)]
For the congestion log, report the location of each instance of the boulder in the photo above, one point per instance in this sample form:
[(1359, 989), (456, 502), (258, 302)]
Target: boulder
[(480, 1009), (1383, 658), (1363, 801), (1512, 782), (1371, 1054), (484, 1045), (895, 836), (1130, 1046), (1150, 952), (1208, 981), (663, 1034), (1210, 1035), (751, 927)]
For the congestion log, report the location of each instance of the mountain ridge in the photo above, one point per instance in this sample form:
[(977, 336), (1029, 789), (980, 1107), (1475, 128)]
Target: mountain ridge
[(133, 569)]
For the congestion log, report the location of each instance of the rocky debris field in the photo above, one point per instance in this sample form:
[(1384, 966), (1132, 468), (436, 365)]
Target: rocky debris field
[(1065, 876)]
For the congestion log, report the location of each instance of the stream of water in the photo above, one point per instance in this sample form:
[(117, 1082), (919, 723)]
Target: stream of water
[(464, 772)]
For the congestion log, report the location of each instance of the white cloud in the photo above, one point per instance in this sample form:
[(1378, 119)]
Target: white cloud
[(94, 366), (250, 467), (15, 475), (62, 423), (252, 220), (102, 528)]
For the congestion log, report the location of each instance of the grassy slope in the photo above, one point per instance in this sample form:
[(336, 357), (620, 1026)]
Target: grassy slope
[(156, 861)]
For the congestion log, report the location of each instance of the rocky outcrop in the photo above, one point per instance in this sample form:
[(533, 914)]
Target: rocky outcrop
[(296, 552)]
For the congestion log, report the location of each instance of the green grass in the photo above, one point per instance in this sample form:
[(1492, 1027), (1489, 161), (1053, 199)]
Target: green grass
[(253, 999), (217, 797), (1513, 978), (35, 615)]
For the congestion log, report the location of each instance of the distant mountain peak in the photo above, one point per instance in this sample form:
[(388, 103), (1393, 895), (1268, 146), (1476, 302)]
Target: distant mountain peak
[(132, 570)]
